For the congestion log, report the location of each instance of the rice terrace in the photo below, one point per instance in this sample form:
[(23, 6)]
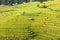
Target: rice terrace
[(30, 20)]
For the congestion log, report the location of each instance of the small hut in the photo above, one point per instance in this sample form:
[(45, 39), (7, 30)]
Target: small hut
[(31, 19)]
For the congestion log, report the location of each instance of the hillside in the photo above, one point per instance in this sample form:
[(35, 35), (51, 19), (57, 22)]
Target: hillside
[(16, 23)]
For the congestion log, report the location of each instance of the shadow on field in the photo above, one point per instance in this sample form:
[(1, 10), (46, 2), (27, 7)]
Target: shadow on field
[(7, 11), (10, 38), (16, 38)]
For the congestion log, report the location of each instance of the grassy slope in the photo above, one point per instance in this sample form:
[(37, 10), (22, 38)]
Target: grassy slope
[(46, 24)]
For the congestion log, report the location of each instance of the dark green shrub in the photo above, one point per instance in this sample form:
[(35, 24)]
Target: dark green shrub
[(0, 2), (41, 0)]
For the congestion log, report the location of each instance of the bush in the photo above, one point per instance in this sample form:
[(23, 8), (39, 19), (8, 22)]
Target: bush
[(42, 0)]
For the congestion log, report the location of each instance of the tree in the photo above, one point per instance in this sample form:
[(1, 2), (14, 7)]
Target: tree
[(18, 1), (6, 2), (11, 2), (31, 0), (41, 0), (0, 2)]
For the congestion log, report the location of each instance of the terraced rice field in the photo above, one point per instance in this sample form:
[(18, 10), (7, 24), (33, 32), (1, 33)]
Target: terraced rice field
[(15, 23)]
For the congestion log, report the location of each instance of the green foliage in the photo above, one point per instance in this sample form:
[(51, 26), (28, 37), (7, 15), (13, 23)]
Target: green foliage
[(11, 2), (0, 2), (42, 0)]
